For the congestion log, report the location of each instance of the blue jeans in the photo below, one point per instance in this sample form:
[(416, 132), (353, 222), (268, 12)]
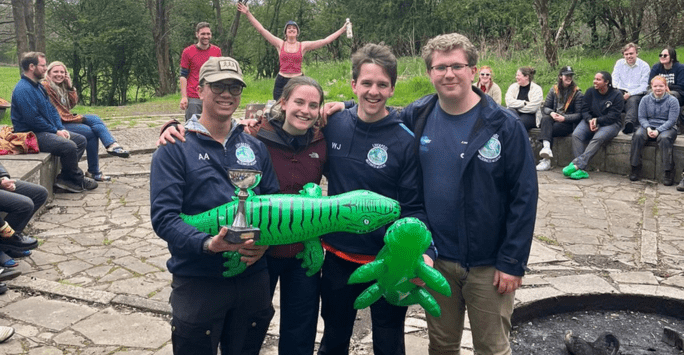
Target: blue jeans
[(69, 152), (585, 143), (22, 203), (298, 305), (92, 129)]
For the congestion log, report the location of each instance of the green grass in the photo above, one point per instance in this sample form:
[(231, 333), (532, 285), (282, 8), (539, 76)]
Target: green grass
[(335, 77)]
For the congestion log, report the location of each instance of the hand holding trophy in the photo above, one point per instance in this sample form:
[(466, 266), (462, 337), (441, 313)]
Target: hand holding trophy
[(240, 230)]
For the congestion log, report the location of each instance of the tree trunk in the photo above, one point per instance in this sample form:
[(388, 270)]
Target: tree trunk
[(159, 12), (30, 28), (20, 28), (228, 48), (541, 7), (40, 25)]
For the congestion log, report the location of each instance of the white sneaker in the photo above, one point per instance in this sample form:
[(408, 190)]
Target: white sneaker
[(544, 164), (546, 153), (6, 333)]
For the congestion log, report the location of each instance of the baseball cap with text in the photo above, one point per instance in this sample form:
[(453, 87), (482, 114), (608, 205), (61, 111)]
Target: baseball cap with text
[(221, 68)]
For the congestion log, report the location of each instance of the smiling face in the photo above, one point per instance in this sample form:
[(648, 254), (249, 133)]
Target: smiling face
[(600, 83), (219, 106), (301, 109), (57, 74), (665, 57), (485, 76), (203, 37), (372, 88), (521, 79), (659, 87), (291, 31), (630, 55), (566, 80), (452, 85)]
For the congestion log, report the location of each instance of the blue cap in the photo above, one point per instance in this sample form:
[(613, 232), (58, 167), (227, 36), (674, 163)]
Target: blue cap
[(291, 23)]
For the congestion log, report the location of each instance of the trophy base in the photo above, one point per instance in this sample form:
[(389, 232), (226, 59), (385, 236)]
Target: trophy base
[(237, 235)]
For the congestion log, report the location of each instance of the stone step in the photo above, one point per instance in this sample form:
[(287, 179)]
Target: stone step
[(613, 157)]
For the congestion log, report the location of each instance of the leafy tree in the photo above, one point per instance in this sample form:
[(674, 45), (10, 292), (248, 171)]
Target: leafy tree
[(541, 7)]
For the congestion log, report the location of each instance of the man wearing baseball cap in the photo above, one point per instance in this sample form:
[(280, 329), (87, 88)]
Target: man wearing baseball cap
[(191, 177)]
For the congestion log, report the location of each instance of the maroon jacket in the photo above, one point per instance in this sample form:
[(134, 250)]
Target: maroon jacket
[(297, 160)]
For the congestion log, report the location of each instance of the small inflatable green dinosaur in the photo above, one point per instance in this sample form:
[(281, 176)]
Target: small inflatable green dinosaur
[(399, 261)]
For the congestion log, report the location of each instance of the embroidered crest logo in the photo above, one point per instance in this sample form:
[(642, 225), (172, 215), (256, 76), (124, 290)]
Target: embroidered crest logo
[(244, 154), (424, 141), (491, 151), (377, 156)]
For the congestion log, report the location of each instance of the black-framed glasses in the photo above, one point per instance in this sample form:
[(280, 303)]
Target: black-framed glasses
[(484, 74), (442, 69), (219, 88), (663, 55)]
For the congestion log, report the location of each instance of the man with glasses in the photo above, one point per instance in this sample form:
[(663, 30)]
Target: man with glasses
[(480, 188), (191, 177), (630, 75)]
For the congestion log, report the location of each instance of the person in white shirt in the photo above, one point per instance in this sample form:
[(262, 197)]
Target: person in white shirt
[(630, 75)]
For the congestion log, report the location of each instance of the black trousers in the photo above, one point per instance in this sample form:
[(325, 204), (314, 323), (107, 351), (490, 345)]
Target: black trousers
[(233, 312)]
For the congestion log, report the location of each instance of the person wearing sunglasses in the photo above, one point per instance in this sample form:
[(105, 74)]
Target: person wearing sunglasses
[(525, 98), (191, 177), (673, 71), (486, 83)]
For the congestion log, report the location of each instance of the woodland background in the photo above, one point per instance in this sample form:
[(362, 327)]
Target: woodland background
[(125, 51)]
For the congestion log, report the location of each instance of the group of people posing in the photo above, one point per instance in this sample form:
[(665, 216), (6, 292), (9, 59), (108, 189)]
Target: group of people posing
[(635, 99), (445, 158)]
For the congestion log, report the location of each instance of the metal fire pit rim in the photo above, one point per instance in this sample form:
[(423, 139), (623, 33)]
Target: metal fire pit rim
[(663, 305)]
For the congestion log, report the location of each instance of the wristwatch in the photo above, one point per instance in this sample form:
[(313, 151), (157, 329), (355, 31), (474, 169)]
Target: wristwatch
[(205, 247)]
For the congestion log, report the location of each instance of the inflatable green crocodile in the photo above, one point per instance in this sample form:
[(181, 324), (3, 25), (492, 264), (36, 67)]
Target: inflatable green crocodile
[(287, 219), (399, 261)]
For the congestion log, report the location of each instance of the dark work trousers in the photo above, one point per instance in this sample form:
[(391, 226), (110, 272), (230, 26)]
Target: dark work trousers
[(665, 141), (549, 128), (69, 152), (207, 311), (632, 109), (529, 120), (22, 203), (337, 310), (299, 296)]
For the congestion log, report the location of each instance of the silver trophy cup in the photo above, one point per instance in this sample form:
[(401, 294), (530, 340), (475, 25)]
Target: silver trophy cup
[(240, 231)]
